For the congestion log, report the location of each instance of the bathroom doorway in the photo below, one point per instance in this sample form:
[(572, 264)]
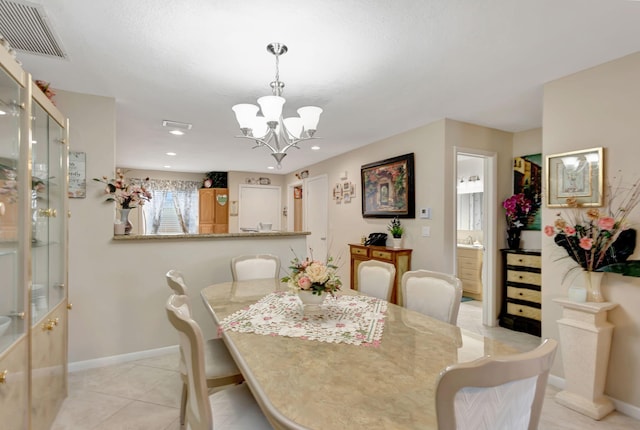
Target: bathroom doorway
[(475, 236)]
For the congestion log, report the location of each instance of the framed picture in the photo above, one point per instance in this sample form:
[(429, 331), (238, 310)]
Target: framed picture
[(77, 175), (575, 175), (527, 179), (388, 188)]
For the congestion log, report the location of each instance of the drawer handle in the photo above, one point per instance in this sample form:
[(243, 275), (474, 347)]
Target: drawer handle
[(520, 293), (520, 310), (520, 260), (520, 276)]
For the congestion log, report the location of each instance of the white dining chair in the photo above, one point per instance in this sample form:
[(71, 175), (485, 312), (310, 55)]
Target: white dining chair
[(245, 267), (495, 393), (434, 294), (219, 367), (376, 278), (232, 408)]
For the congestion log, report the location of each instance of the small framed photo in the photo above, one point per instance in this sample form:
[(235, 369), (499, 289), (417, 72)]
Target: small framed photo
[(337, 192), (346, 187), (346, 198), (575, 176)]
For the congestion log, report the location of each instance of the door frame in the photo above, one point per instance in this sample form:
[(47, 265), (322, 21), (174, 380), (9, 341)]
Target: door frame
[(490, 307), (291, 204)]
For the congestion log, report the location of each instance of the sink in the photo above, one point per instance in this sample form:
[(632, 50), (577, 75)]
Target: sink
[(4, 324), (474, 246)]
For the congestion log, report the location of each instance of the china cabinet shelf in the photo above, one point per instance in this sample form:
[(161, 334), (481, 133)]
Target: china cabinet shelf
[(33, 252)]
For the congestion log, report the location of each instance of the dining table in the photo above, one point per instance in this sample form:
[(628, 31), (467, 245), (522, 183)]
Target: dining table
[(354, 362)]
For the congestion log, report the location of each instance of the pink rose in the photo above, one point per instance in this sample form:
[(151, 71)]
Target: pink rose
[(304, 283), (549, 230), (568, 230), (586, 243), (606, 223)]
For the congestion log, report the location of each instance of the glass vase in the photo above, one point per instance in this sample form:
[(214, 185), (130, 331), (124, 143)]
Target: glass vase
[(123, 217), (311, 303), (593, 281)]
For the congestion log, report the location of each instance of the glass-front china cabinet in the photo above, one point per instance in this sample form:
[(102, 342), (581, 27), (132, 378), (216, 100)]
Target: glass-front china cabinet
[(33, 252)]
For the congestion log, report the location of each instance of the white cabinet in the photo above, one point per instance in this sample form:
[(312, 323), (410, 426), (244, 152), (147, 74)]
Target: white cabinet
[(33, 252)]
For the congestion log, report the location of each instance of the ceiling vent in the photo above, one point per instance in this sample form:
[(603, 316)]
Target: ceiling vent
[(27, 28), (176, 125)]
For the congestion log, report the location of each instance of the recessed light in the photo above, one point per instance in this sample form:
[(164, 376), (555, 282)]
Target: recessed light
[(177, 132), (171, 154), (2, 112), (270, 167), (315, 147), (167, 167)]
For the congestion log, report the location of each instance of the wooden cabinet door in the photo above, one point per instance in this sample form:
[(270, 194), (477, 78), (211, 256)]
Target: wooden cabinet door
[(214, 210)]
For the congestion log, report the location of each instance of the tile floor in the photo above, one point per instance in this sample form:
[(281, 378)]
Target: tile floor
[(145, 394)]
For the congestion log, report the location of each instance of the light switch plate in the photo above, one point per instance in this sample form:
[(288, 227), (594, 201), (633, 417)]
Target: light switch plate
[(425, 213), (426, 231)]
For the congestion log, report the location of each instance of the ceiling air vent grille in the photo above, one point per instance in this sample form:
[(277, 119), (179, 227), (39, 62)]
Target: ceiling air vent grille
[(26, 27)]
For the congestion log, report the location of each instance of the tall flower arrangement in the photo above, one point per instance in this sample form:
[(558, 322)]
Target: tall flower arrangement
[(600, 239), (517, 208), (126, 194)]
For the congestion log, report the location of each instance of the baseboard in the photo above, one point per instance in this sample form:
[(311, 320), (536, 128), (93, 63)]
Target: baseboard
[(122, 358), (622, 407)]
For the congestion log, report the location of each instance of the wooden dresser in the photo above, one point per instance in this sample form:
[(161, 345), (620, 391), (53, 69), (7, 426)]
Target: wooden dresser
[(470, 271), (521, 295), (400, 258)]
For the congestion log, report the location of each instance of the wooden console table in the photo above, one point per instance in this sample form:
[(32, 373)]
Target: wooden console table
[(399, 257)]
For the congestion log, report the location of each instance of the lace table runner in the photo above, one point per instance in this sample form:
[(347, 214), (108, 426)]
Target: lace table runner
[(356, 320)]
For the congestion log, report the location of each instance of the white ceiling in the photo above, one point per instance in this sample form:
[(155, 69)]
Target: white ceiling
[(377, 68)]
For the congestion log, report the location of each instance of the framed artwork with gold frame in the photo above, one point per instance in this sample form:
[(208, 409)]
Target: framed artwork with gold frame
[(575, 177)]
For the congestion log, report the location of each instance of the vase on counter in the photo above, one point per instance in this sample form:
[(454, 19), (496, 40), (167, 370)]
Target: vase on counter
[(122, 224)]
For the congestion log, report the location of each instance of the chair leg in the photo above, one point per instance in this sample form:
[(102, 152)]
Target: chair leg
[(183, 403)]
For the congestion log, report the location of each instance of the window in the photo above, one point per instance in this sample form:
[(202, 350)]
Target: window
[(173, 208)]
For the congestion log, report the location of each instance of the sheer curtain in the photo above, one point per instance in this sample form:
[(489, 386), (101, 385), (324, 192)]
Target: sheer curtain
[(184, 201)]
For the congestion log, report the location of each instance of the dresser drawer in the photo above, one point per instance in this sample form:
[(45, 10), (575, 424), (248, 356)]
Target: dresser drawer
[(475, 254), (472, 286), (469, 263), (523, 277), (359, 251), (524, 294), (524, 311), (524, 260), (468, 274), (382, 255)]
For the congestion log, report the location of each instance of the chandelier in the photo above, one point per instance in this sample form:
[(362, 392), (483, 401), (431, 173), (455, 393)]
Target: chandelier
[(270, 130)]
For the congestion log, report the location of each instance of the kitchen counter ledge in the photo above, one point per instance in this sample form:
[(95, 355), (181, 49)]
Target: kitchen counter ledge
[(253, 235)]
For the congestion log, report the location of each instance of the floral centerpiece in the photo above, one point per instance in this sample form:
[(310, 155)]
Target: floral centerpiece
[(599, 240), (313, 276), (395, 228), (517, 208), (126, 194)]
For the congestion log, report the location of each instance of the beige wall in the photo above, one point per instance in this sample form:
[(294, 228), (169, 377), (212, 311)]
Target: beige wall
[(593, 108), (118, 287), (433, 148)]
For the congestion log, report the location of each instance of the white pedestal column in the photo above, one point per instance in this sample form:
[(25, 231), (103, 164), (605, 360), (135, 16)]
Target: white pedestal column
[(585, 339)]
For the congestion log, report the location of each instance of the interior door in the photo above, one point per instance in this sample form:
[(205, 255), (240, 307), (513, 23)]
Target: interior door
[(259, 204), (316, 197)]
